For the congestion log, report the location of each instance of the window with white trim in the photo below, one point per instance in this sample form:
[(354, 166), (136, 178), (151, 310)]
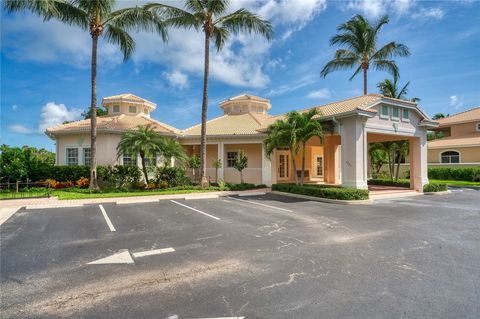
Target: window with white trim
[(384, 112), (395, 113), (129, 159), (449, 157), (116, 109), (478, 127), (87, 155), (151, 161), (405, 115), (72, 156), (132, 109), (231, 158)]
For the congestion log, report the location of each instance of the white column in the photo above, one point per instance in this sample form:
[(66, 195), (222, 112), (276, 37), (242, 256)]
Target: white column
[(266, 168), (220, 155), (418, 162), (354, 153)]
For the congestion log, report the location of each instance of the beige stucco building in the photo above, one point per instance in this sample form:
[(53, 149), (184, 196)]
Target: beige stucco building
[(460, 145), (341, 157)]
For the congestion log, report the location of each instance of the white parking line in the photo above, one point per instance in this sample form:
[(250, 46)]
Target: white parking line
[(153, 252), (109, 222), (260, 204), (194, 209)]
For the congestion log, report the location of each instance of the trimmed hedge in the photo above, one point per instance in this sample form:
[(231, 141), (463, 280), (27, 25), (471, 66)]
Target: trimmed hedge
[(323, 191), (435, 187), (243, 186), (389, 182), (470, 174)]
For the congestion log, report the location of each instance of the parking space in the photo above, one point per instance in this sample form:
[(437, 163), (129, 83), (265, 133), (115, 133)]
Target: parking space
[(266, 256)]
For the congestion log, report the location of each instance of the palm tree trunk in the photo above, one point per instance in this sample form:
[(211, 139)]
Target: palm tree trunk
[(203, 137), (294, 163), (364, 79), (398, 165), (303, 165), (93, 118), (144, 168)]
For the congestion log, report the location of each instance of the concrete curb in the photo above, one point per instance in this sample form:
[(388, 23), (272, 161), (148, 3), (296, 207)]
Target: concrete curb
[(326, 200), (437, 193), (131, 200), (7, 212)]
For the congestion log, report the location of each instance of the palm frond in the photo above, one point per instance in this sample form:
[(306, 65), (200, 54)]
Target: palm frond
[(245, 21), (337, 64), (391, 50), (386, 65), (195, 5), (216, 7), (220, 35), (44, 8), (403, 92), (138, 19), (122, 38), (96, 8)]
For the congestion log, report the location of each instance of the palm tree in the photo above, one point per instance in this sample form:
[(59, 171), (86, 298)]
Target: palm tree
[(144, 141), (211, 17), (307, 127), (440, 116), (284, 134), (217, 164), (389, 88), (359, 38), (241, 162), (100, 19), (171, 148)]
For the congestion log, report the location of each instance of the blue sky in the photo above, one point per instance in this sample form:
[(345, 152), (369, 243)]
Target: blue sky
[(45, 66)]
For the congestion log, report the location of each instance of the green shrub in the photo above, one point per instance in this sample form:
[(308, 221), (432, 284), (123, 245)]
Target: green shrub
[(243, 186), (118, 176), (435, 187), (170, 177), (470, 174), (323, 191), (389, 182)]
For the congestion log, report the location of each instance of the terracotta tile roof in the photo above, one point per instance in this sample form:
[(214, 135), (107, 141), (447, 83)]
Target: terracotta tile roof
[(118, 123), (466, 140), (462, 117), (344, 106), (127, 97), (241, 124)]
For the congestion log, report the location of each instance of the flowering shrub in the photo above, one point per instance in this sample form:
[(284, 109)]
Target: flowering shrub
[(82, 182)]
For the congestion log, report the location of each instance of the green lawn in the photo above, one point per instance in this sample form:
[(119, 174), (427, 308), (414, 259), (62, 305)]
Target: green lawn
[(62, 195), (456, 183)]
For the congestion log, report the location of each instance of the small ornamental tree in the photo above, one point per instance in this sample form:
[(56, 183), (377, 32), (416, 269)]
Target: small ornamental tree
[(217, 163), (241, 162), (193, 163)]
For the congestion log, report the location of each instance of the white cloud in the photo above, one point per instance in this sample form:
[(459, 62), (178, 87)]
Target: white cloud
[(320, 94), (54, 114), (456, 102), (177, 79), (242, 62), (22, 129), (376, 8), (429, 13), (14, 107), (292, 86)]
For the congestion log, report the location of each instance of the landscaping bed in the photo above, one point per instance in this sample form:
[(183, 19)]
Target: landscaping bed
[(323, 191), (389, 182)]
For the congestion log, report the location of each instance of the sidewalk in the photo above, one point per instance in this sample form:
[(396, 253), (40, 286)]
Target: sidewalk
[(9, 207)]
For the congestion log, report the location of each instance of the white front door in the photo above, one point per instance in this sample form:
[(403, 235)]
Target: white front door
[(283, 166), (318, 166)]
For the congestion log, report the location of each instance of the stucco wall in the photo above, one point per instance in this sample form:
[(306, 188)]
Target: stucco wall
[(467, 154), (106, 147), (464, 129), (253, 173)]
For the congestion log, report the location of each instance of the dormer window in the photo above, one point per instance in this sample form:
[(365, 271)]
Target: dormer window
[(132, 109), (395, 113), (116, 109), (405, 115), (384, 112), (478, 127), (145, 110)]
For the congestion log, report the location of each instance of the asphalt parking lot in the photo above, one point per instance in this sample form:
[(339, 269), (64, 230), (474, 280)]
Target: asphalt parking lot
[(245, 257)]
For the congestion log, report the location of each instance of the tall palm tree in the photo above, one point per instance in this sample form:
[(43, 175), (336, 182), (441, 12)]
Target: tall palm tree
[(284, 134), (359, 38), (307, 127), (100, 19), (389, 88), (144, 141), (211, 17), (171, 148)]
